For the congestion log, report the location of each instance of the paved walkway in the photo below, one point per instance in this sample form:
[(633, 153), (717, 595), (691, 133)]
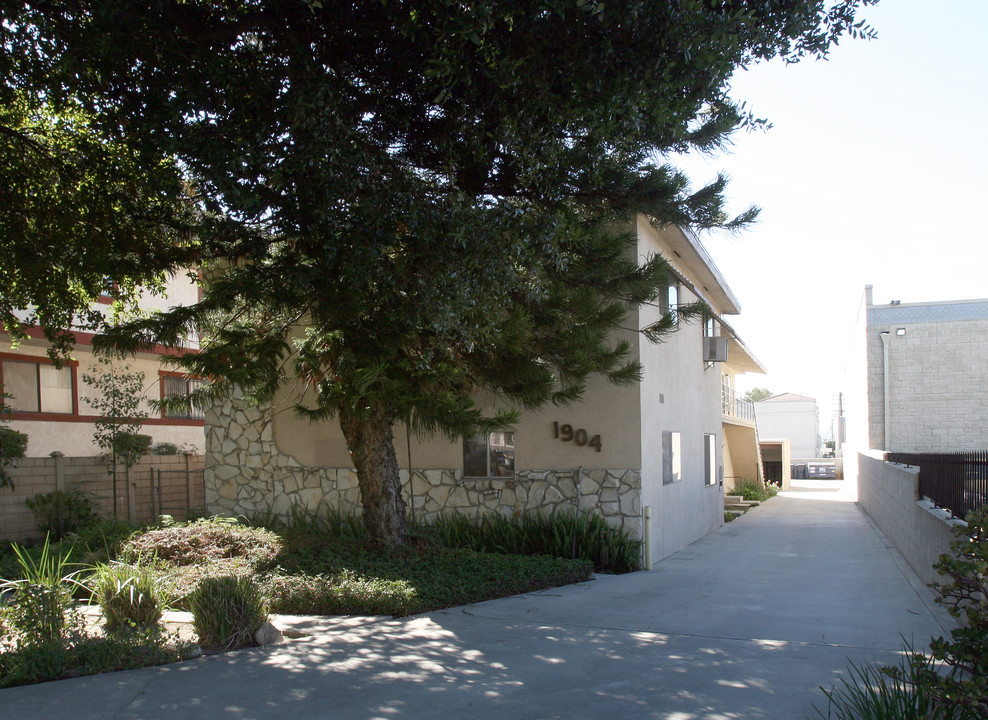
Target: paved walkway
[(746, 623)]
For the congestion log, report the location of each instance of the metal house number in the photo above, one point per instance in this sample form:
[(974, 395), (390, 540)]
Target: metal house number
[(581, 437)]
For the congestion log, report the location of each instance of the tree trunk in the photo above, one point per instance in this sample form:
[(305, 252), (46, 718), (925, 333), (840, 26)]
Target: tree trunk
[(370, 439)]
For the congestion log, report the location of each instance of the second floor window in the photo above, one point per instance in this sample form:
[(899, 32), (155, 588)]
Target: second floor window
[(38, 387), (181, 386), (669, 300)]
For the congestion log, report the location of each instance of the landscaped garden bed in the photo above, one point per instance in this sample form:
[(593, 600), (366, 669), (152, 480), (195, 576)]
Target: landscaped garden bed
[(219, 569)]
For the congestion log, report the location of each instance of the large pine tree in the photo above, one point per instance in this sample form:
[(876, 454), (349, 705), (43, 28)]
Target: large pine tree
[(404, 203)]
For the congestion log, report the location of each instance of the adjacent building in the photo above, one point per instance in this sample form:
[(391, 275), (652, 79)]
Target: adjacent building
[(792, 417), (655, 449), (50, 405), (927, 375)]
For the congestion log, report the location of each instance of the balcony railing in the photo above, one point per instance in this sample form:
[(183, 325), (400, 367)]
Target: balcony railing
[(736, 407)]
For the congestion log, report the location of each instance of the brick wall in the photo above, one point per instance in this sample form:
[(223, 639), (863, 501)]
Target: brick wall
[(35, 476), (889, 493)]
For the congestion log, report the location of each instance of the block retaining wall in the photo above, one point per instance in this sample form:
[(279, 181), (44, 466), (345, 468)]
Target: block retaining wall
[(36, 476), (889, 493)]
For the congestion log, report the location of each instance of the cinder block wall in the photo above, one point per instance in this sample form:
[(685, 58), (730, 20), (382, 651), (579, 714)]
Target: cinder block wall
[(889, 493), (938, 398), (36, 476)]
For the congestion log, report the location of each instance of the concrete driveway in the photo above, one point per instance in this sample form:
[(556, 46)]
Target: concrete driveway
[(746, 623)]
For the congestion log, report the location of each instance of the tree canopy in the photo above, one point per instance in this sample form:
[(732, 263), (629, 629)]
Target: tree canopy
[(402, 203), (757, 394)]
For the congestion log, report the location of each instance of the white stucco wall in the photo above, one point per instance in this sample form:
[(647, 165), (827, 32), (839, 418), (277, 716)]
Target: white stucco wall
[(798, 420), (679, 393)]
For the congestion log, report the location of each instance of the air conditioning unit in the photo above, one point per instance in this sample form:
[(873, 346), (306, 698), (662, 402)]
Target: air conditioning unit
[(715, 349)]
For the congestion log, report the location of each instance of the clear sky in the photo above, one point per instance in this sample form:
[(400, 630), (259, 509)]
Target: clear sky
[(874, 173)]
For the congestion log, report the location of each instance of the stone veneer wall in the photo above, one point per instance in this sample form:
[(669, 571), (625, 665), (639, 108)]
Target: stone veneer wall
[(246, 474)]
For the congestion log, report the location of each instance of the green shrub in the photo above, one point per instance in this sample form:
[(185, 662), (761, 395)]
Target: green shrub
[(888, 693), (965, 652), (88, 655), (336, 523), (128, 595), (563, 534), (61, 512), (131, 444), (13, 444), (37, 613), (342, 593), (750, 490), (227, 611), (164, 448)]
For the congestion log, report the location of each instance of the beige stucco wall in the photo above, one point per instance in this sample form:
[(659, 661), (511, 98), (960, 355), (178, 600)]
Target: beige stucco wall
[(606, 410)]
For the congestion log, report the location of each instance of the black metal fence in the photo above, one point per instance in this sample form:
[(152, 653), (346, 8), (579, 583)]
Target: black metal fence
[(176, 492), (954, 481)]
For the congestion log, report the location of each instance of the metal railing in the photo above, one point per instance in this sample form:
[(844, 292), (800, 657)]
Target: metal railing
[(953, 481), (736, 407)]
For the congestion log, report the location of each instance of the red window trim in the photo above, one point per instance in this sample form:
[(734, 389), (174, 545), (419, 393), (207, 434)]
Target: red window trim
[(162, 374), (86, 339), (73, 365)]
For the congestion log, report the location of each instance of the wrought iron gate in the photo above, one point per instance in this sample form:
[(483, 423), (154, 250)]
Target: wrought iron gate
[(177, 493)]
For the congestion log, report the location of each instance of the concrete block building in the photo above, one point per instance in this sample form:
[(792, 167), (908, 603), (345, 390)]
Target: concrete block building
[(652, 449), (927, 375)]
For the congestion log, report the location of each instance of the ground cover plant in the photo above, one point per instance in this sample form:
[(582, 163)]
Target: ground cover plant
[(750, 490), (328, 566), (562, 534)]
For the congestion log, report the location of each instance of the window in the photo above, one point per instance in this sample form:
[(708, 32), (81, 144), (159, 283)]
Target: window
[(709, 327), (490, 456), (181, 386), (672, 458), (709, 459), (669, 300), (38, 387)]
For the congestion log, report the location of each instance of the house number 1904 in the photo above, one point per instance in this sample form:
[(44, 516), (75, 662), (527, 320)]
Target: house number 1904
[(566, 433)]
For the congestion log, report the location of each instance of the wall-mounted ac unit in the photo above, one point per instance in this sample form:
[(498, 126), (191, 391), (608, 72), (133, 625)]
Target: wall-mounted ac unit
[(715, 349)]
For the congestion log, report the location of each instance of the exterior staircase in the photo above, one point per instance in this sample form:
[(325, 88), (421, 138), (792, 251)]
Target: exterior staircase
[(737, 505)]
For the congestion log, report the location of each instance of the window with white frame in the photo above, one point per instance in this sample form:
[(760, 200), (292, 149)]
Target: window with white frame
[(172, 385), (669, 299), (672, 457), (709, 459), (38, 386), (489, 455)]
